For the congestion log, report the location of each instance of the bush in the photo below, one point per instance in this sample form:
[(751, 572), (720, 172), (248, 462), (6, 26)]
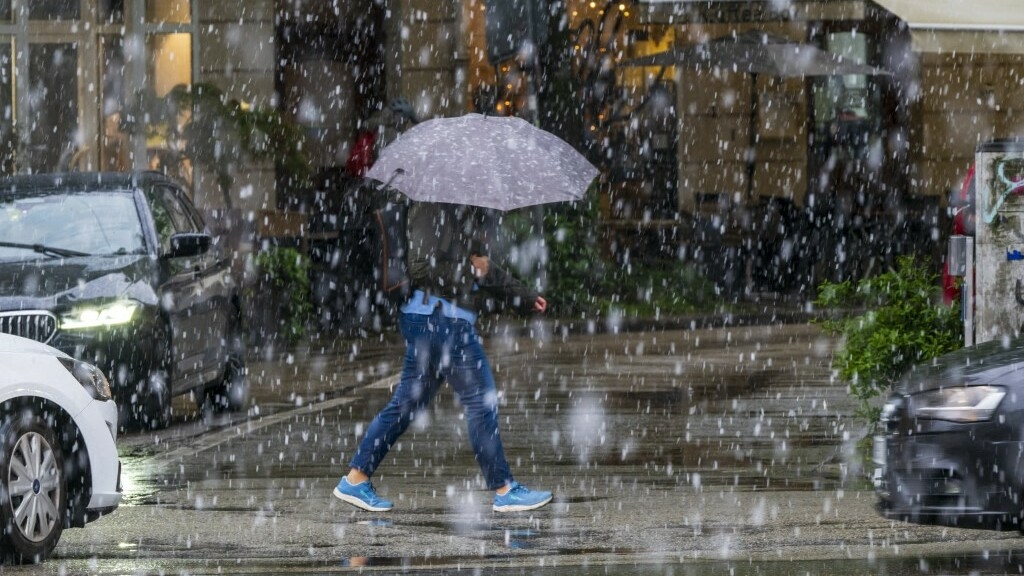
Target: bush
[(899, 322), (575, 268), (652, 290), (583, 281), (285, 273)]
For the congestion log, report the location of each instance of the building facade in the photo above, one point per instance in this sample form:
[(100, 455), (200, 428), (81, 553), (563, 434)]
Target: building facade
[(673, 142)]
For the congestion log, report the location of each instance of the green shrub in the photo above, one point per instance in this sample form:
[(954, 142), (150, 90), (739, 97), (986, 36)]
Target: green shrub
[(889, 323), (285, 271), (651, 290), (583, 281), (575, 269)]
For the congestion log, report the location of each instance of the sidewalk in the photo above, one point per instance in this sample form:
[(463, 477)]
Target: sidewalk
[(324, 365)]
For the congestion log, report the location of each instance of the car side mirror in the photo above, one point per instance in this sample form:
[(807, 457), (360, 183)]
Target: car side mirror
[(189, 244)]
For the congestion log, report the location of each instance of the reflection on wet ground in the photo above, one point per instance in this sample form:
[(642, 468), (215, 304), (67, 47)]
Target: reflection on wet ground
[(976, 565), (692, 452), (681, 408)]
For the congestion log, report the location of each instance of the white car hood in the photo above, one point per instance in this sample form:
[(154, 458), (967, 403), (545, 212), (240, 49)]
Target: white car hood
[(9, 343)]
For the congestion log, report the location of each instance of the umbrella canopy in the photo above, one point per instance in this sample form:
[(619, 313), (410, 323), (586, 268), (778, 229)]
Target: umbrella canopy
[(756, 52), (498, 162)]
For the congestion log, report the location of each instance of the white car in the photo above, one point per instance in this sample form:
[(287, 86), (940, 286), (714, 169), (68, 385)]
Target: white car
[(58, 460)]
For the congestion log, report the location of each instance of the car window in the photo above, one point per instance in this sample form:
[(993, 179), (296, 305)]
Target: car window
[(161, 219), (183, 220), (96, 223), (170, 215)]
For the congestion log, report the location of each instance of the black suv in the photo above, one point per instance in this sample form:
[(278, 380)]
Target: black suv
[(120, 270)]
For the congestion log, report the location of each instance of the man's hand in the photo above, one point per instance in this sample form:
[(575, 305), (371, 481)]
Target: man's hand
[(540, 305), (481, 264)]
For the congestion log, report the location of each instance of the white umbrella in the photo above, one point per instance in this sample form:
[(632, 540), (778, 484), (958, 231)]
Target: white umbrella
[(499, 162)]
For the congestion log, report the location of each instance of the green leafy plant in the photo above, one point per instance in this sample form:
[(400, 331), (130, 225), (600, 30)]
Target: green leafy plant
[(576, 268), (582, 280), (659, 289), (285, 271), (888, 323)]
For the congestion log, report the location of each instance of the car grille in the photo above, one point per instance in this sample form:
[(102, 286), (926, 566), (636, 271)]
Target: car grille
[(36, 325)]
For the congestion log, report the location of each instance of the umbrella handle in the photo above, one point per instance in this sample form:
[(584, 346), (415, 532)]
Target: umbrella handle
[(398, 172)]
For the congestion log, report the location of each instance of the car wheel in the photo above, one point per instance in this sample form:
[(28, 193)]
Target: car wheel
[(151, 405), (157, 411), (232, 392), (33, 495), (1020, 516)]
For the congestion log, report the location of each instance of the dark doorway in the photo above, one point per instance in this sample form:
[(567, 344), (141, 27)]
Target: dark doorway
[(852, 201)]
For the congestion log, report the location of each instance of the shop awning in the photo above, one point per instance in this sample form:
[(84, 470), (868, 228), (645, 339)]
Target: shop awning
[(962, 26)]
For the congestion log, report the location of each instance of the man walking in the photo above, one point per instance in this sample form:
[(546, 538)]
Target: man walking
[(454, 281)]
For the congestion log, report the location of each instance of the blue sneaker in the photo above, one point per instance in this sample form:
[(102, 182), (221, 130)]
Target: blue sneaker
[(520, 498), (361, 495)]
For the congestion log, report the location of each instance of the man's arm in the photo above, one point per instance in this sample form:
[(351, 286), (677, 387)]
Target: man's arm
[(499, 282)]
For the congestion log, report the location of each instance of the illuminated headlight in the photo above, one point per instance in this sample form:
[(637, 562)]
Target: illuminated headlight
[(90, 377), (111, 314), (960, 404)]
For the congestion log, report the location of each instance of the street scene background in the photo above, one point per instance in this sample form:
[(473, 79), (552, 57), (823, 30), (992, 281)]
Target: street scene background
[(675, 442)]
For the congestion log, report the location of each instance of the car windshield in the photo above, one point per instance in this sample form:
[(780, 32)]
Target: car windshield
[(67, 224)]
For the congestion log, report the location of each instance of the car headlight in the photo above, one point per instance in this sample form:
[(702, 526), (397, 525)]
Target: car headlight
[(91, 378), (110, 314), (959, 404)]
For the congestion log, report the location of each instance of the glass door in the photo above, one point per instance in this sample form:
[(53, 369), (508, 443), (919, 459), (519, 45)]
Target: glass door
[(69, 69), (50, 45), (52, 105), (8, 137), (848, 162)]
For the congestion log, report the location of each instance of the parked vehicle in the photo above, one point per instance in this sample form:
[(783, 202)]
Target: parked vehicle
[(120, 270), (58, 461), (950, 445)]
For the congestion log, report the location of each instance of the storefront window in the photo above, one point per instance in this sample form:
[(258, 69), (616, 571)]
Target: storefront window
[(86, 68), (111, 11), (845, 98), (8, 139), (170, 61), (169, 11), (54, 9), (52, 105), (114, 143), (169, 66)]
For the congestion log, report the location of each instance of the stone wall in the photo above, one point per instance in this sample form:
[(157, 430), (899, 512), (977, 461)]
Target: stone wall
[(424, 56), (965, 100), (236, 47)]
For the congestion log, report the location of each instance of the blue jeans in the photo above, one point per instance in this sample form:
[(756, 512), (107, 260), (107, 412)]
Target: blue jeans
[(440, 349)]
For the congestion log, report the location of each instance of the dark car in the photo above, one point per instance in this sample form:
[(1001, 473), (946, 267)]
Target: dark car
[(119, 270), (952, 443)]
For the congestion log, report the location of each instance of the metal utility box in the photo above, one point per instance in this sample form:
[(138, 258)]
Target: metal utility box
[(999, 244), (957, 257)]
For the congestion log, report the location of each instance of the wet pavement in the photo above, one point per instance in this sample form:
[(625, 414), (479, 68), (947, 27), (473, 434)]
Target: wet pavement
[(705, 451)]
